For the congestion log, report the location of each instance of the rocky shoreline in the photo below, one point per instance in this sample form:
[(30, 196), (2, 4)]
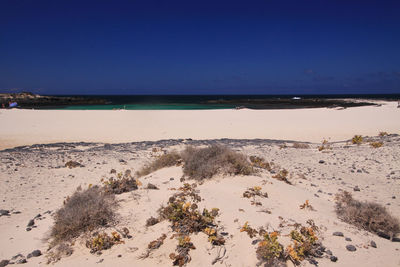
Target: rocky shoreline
[(30, 100)]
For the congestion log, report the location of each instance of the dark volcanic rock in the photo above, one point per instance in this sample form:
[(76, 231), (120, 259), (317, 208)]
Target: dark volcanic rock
[(334, 258), (373, 244), (35, 253), (321, 161), (4, 263), (30, 100), (396, 238), (31, 223), (4, 212), (356, 188), (337, 234), (152, 186), (351, 248)]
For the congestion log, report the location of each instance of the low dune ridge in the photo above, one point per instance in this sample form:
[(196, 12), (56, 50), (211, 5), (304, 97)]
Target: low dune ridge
[(243, 209)]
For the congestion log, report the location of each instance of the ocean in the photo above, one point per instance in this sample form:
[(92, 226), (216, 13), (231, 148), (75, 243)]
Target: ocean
[(200, 102)]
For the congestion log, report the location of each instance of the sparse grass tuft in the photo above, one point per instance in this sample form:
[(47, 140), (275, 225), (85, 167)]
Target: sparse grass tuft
[(166, 160), (370, 216), (376, 144), (357, 139), (203, 163), (84, 211)]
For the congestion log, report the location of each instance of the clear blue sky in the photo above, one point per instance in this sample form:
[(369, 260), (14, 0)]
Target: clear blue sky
[(200, 47)]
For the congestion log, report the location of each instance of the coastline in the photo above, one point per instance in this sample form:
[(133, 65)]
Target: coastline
[(27, 127)]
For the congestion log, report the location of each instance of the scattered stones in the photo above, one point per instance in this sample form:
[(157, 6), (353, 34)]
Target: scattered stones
[(334, 258), (359, 171), (21, 261), (313, 262), (329, 252), (373, 244), (348, 239), (321, 161), (4, 213), (172, 178), (73, 164), (28, 229), (35, 253), (4, 263), (337, 234), (152, 186), (31, 223), (356, 188), (383, 235), (396, 238), (351, 248)]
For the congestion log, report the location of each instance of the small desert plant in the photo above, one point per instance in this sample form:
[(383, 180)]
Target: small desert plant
[(324, 145), (186, 218), (270, 250), (202, 163), (306, 205), (254, 191), (260, 163), (304, 244), (120, 185), (370, 216), (166, 160), (251, 232), (103, 241), (376, 144), (84, 211), (282, 176), (301, 145), (357, 139), (382, 134)]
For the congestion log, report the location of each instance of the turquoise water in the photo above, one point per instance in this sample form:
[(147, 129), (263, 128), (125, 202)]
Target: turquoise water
[(150, 107)]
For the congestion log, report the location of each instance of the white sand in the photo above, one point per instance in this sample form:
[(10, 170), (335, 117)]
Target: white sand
[(35, 180), (25, 127)]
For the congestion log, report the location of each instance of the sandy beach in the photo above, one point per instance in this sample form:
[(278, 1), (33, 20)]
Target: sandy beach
[(27, 127), (34, 180)]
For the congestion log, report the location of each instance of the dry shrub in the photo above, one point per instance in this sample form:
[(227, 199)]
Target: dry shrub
[(84, 211), (382, 134), (166, 160), (376, 144), (357, 139), (202, 163), (120, 185), (301, 145), (370, 216)]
